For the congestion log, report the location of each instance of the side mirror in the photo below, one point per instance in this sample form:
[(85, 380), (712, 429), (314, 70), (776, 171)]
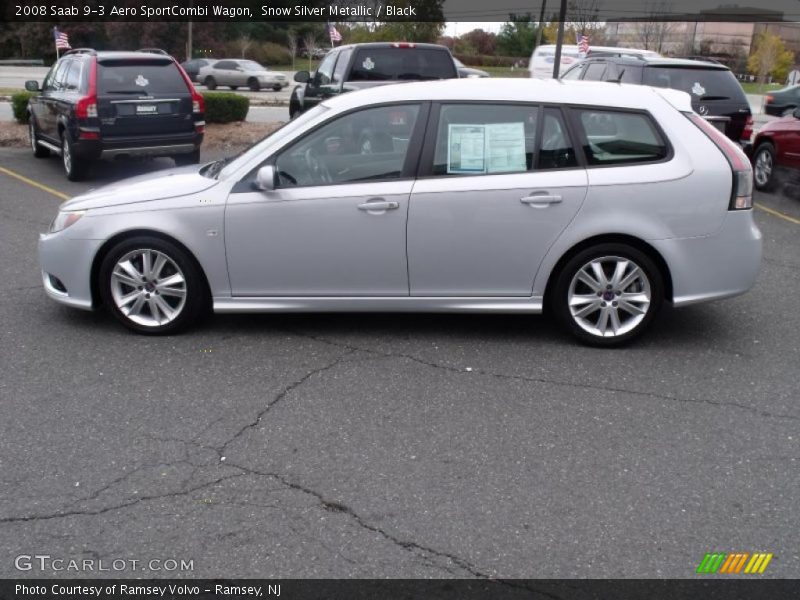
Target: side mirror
[(796, 113), (302, 76), (32, 86), (265, 178)]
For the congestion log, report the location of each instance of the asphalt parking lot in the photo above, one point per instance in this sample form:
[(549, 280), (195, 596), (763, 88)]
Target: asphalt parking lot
[(394, 445)]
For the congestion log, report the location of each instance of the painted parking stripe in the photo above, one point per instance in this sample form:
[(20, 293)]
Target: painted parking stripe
[(776, 213), (35, 184)]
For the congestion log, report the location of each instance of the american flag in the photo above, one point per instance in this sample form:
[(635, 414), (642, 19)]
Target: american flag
[(62, 39), (583, 44), (335, 35)]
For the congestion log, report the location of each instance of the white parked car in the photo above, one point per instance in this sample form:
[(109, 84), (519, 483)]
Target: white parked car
[(241, 73), (595, 202), (544, 57)]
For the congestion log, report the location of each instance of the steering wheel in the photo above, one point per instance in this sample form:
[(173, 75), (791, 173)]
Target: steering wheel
[(316, 167)]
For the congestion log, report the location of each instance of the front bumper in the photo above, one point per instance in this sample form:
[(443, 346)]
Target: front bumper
[(717, 266), (66, 268)]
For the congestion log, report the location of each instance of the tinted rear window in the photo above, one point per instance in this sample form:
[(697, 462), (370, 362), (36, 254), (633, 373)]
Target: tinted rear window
[(143, 77), (613, 137), (401, 64), (711, 84)]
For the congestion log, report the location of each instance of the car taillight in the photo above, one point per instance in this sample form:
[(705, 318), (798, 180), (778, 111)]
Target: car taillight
[(769, 98), (86, 107), (198, 102), (747, 132), (403, 45), (742, 193)]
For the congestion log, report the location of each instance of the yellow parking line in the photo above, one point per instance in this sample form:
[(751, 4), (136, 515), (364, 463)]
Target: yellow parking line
[(35, 184), (775, 213)]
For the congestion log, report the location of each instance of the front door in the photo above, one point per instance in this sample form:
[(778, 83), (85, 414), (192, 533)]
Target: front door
[(335, 225), (503, 182)]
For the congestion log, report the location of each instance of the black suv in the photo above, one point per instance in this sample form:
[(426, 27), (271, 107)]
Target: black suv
[(716, 95), (110, 104), (358, 66)]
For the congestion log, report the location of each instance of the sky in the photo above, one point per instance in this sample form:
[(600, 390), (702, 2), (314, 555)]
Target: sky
[(454, 29)]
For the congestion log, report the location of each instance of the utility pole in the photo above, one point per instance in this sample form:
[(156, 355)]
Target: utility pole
[(189, 49), (541, 25), (562, 16)]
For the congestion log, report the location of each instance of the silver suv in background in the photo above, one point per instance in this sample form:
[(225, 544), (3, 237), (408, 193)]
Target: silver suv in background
[(240, 73), (595, 202)]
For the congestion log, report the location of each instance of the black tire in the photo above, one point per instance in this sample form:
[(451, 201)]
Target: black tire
[(196, 292), (73, 169), (253, 84), (607, 253), (210, 83), (276, 88), (39, 151), (234, 87), (764, 180), (182, 160)]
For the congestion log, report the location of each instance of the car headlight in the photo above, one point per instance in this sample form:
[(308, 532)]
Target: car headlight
[(65, 218)]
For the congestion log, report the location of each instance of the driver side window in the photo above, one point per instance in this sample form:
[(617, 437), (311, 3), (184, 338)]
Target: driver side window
[(366, 145), (324, 72)]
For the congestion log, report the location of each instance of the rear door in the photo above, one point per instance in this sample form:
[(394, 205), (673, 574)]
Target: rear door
[(142, 97), (499, 182)]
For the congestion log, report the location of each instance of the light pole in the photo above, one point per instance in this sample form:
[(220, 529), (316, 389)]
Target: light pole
[(562, 15)]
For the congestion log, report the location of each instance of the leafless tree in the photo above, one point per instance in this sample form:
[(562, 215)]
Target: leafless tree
[(291, 44), (652, 34), (311, 44), (244, 44), (584, 16)]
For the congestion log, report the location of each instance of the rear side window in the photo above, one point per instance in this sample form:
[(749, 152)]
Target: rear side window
[(139, 77), (616, 137), (73, 81), (595, 71), (630, 73), (702, 84), (556, 151), (485, 139), (402, 64)]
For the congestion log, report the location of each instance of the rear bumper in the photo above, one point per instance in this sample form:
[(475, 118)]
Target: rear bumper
[(717, 266), (112, 147)]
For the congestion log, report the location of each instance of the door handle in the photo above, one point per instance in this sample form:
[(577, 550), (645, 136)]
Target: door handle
[(379, 205), (540, 200)]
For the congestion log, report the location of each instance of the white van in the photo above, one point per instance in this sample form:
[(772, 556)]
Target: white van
[(544, 56)]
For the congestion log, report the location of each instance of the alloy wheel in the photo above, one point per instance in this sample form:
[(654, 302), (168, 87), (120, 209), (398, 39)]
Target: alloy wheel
[(66, 154), (148, 287), (32, 134), (763, 168), (609, 296)]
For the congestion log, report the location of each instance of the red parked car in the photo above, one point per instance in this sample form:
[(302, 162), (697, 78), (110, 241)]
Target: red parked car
[(776, 151)]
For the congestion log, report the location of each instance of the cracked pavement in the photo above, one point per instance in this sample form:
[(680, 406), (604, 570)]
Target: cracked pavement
[(395, 445)]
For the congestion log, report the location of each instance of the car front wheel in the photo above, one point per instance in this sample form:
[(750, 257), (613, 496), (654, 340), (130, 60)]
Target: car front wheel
[(210, 83), (253, 84), (608, 294), (152, 286), (763, 167), (39, 151)]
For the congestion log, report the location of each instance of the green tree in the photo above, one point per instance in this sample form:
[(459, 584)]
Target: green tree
[(770, 57), (518, 36)]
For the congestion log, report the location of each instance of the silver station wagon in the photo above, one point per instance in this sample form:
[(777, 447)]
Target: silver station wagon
[(595, 202)]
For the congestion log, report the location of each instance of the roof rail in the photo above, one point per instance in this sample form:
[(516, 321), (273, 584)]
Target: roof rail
[(80, 51)]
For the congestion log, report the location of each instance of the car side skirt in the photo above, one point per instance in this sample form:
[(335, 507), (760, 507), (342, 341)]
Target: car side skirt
[(531, 304)]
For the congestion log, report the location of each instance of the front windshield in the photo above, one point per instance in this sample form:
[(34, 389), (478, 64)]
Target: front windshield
[(256, 151), (251, 65)]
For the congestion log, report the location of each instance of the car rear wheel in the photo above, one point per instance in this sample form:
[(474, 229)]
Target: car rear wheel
[(253, 84), (152, 286), (608, 294), (276, 88), (234, 87), (74, 170), (210, 83), (764, 167), (39, 151)]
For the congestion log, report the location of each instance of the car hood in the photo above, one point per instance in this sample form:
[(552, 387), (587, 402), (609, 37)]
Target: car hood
[(778, 124), (161, 185)]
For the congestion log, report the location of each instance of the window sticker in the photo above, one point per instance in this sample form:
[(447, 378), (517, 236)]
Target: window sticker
[(505, 147), (490, 148), (368, 64), (141, 81), (698, 90), (465, 149)]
